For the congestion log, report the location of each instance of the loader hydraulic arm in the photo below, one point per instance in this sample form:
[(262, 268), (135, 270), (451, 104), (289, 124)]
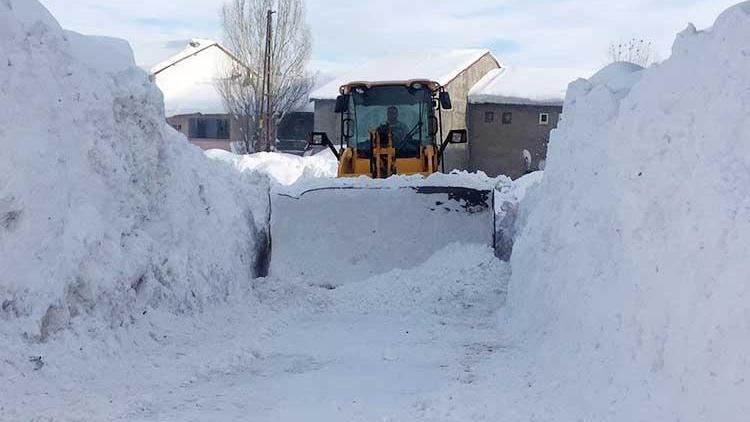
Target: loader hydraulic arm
[(321, 139), (455, 136)]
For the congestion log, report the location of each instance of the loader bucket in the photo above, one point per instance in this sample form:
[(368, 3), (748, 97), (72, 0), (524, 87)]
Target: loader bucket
[(334, 235)]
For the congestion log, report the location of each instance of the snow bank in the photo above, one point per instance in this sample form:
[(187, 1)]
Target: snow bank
[(105, 211), (513, 202), (452, 281), (629, 281), (284, 169)]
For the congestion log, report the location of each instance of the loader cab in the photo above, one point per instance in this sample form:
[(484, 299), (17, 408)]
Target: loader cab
[(390, 128), (405, 113)]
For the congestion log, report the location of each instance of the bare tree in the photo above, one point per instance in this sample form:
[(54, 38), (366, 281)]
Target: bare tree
[(636, 51), (241, 86)]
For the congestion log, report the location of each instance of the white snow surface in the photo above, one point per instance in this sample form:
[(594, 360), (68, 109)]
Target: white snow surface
[(331, 231), (283, 169), (457, 178), (404, 345), (188, 79), (128, 258), (439, 66), (629, 288), (523, 86), (105, 211)]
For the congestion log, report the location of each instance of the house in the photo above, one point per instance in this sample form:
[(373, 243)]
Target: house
[(192, 103), (194, 106), (457, 70), (511, 113)]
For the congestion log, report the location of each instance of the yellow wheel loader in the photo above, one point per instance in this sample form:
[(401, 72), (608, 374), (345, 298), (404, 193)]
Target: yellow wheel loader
[(388, 208), (390, 128)]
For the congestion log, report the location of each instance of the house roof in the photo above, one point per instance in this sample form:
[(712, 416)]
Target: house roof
[(439, 66), (523, 86), (188, 79), (195, 46)]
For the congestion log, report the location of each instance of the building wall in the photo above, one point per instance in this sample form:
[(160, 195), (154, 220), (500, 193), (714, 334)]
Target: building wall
[(498, 148), (457, 156), (326, 120), (295, 125), (181, 123), (294, 131), (206, 144)]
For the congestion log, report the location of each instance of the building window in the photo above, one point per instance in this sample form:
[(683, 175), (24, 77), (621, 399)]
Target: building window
[(209, 128), (489, 116), (299, 128), (543, 118), (222, 128), (197, 128), (507, 118)]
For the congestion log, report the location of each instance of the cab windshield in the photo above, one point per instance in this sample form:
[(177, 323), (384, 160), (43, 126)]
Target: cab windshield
[(402, 111)]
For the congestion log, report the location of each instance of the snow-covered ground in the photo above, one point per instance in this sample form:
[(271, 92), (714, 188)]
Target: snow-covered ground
[(385, 348), (128, 259)]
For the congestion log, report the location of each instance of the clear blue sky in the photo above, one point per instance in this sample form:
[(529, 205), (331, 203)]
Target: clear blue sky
[(540, 33)]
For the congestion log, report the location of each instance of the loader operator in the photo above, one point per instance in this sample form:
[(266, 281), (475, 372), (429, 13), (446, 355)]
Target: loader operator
[(402, 139)]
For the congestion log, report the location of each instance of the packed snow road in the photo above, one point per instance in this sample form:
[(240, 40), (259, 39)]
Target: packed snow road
[(398, 346), (330, 368)]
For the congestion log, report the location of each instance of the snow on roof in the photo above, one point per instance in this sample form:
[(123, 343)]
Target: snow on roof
[(195, 46), (188, 79), (441, 67), (529, 85), (305, 107)]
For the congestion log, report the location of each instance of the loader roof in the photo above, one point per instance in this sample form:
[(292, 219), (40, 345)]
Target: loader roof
[(432, 85)]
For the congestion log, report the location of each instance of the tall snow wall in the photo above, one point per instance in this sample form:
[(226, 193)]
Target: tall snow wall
[(104, 209), (630, 278)]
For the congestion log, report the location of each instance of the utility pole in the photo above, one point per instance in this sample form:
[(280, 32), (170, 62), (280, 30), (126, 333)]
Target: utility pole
[(267, 80)]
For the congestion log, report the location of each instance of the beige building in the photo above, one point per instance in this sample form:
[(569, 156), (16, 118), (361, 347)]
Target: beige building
[(458, 71)]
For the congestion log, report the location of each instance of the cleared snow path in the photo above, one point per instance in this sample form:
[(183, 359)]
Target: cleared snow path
[(398, 346), (326, 368)]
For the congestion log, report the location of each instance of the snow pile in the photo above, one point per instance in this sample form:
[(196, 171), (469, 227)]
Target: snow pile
[(523, 86), (452, 281), (512, 203), (105, 211), (284, 169), (629, 281)]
